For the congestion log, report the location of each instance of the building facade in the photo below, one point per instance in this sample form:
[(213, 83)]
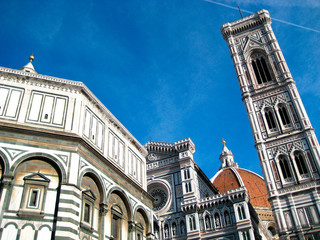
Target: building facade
[(69, 168), (188, 206), (285, 141)]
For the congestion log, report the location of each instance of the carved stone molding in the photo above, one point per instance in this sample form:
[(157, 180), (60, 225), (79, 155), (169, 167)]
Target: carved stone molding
[(103, 209)]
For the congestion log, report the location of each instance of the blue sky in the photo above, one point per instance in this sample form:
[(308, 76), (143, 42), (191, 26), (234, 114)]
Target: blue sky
[(161, 66)]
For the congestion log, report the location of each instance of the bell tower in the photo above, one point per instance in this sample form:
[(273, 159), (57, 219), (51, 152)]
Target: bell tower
[(285, 141)]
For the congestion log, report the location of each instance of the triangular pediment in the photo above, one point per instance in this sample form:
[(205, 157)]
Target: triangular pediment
[(36, 177), (89, 194)]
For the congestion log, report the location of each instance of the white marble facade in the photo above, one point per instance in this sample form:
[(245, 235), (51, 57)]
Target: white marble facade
[(286, 143), (69, 168)]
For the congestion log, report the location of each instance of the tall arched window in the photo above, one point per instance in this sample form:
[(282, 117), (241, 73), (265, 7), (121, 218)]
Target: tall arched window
[(270, 119), (166, 231), (182, 228), (241, 212), (284, 115), (192, 223), (217, 220), (227, 218), (207, 221), (285, 169), (174, 229), (300, 163), (260, 69)]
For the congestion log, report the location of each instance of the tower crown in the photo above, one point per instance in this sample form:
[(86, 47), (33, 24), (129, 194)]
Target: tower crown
[(259, 18)]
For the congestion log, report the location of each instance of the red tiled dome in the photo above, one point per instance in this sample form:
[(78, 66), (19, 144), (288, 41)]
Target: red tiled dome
[(226, 179)]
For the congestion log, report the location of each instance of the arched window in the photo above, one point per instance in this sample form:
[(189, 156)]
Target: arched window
[(245, 235), (227, 218), (270, 119), (284, 115), (207, 221), (119, 216), (272, 231), (182, 228), (166, 231), (187, 173), (35, 179), (174, 229), (300, 163), (217, 220), (241, 212), (192, 223), (188, 187), (284, 165), (260, 69)]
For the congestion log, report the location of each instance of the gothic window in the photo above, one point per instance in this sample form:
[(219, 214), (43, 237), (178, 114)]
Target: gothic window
[(227, 218), (188, 187), (288, 218), (187, 173), (299, 159), (260, 69), (182, 228), (245, 235), (284, 115), (312, 215), (192, 223), (174, 229), (166, 231), (302, 217), (241, 212), (207, 221), (270, 119), (217, 220), (284, 165)]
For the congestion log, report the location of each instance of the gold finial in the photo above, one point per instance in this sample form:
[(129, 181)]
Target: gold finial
[(31, 58), (223, 142)]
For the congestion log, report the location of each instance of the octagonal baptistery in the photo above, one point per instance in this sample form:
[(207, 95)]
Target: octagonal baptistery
[(68, 168), (230, 176)]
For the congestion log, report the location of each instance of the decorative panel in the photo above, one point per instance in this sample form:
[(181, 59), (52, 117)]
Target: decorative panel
[(47, 109), (93, 129), (10, 101)]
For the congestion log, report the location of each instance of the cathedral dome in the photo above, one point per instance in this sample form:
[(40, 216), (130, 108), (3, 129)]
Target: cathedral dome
[(230, 176)]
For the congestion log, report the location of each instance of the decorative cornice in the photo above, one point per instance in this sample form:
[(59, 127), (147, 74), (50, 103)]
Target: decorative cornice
[(231, 195), (162, 163), (165, 147), (32, 78), (259, 18)]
